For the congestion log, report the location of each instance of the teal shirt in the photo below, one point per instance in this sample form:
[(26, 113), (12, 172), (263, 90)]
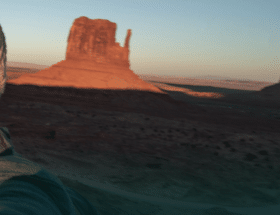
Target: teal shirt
[(26, 188)]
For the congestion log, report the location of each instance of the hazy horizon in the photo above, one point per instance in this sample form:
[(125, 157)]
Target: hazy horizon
[(231, 39), (41, 67)]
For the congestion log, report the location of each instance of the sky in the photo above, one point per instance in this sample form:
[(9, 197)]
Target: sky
[(180, 38)]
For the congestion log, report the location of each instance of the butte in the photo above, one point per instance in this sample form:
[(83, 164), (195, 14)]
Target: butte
[(93, 60), (95, 74)]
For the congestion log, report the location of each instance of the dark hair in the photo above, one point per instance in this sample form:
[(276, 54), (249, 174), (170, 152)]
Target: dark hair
[(3, 60), (3, 46)]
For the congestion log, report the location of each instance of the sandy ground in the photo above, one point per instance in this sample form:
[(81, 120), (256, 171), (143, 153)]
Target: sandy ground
[(133, 162)]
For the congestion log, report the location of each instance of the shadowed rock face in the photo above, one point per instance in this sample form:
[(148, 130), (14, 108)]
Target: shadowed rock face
[(94, 40)]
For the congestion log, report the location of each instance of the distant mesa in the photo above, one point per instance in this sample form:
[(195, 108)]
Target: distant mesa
[(93, 60), (11, 64), (270, 92)]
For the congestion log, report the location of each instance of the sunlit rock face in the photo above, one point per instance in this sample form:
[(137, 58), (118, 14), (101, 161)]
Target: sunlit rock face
[(94, 40), (93, 60)]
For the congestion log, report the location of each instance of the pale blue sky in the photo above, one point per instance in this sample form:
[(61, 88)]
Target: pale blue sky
[(228, 38)]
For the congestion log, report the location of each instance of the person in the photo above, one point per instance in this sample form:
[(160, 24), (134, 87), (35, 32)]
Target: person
[(26, 187)]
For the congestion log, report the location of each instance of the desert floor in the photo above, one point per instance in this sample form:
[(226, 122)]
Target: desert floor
[(185, 149)]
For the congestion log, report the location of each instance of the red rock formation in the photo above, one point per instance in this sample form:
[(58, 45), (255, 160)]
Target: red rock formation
[(94, 40), (93, 60), (126, 45)]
